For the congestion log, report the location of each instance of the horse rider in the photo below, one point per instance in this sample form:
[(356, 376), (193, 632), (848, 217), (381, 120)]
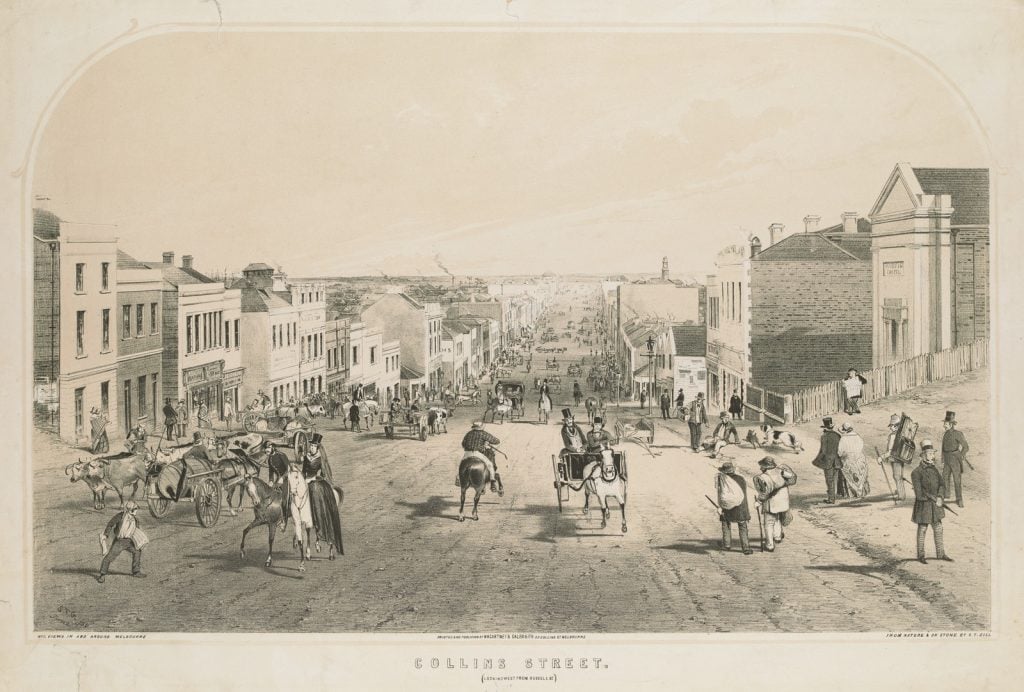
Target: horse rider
[(136, 440), (295, 504), (277, 464), (479, 440), (598, 438), (574, 439)]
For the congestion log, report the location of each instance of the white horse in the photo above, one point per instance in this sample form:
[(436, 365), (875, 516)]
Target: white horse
[(500, 407), (602, 480), (369, 410)]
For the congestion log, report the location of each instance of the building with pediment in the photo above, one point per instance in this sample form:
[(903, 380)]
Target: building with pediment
[(929, 244)]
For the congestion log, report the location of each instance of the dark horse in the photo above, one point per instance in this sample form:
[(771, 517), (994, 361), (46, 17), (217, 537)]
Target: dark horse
[(473, 473), (266, 505)]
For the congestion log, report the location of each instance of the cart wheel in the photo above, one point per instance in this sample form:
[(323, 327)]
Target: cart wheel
[(301, 443), (207, 497), (249, 422), (423, 434), (158, 506)]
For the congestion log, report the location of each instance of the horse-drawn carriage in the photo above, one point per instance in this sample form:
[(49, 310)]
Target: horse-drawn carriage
[(602, 475), (637, 429), (508, 400), (411, 423), (266, 418), (574, 370), (555, 383)]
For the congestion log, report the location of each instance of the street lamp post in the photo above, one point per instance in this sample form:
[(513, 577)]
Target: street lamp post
[(650, 371)]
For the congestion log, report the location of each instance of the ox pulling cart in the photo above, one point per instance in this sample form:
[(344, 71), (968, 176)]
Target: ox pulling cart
[(412, 424)]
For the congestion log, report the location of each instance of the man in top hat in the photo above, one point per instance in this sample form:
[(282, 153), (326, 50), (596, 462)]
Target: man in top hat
[(698, 417), (680, 399), (773, 500), (828, 458), (598, 438), (929, 489), (479, 440), (728, 480), (574, 439), (666, 404), (896, 464), (954, 452), (170, 419)]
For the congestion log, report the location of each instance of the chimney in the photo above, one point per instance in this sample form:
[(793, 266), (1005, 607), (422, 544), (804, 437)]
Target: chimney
[(168, 258), (811, 224), (775, 232), (755, 246), (849, 222), (664, 268), (186, 261)]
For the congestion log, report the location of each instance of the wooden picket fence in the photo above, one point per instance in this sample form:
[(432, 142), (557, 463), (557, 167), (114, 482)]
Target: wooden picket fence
[(828, 398)]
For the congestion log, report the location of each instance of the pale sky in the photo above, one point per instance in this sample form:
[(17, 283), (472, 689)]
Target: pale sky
[(360, 153)]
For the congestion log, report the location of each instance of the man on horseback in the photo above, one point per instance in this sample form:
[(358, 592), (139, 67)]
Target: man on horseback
[(480, 441)]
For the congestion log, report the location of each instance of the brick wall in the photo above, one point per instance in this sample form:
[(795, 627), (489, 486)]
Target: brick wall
[(972, 294), (810, 321), (46, 299)]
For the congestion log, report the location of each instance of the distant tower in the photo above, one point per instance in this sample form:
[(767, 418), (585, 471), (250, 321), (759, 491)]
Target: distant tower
[(664, 268)]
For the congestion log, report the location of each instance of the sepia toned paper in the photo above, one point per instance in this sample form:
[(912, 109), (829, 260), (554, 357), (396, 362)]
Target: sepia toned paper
[(506, 140)]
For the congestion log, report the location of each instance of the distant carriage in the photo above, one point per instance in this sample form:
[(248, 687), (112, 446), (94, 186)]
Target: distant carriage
[(408, 422)]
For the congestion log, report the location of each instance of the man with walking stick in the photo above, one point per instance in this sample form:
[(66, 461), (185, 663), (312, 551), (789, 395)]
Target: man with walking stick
[(773, 499), (929, 489), (954, 455)]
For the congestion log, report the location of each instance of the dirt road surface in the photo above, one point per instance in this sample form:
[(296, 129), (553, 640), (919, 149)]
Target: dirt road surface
[(411, 566)]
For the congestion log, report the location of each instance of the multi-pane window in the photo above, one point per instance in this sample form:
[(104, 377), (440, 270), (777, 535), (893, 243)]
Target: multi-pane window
[(152, 318), (138, 319), (373, 355), (105, 276), (188, 335), (105, 397), (236, 334), (126, 321), (79, 278), (106, 330), (227, 334), (355, 355), (80, 333), (142, 395)]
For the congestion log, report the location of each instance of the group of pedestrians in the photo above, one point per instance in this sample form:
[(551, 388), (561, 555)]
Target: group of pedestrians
[(771, 505)]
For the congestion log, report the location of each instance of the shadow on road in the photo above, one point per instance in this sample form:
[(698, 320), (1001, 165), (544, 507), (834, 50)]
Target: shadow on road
[(863, 570), (435, 507), (705, 546), (87, 572)]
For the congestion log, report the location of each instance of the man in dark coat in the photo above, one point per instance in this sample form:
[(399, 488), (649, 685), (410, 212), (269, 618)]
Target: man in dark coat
[(736, 405), (929, 489), (574, 439), (598, 438), (123, 533), (698, 417), (353, 417), (954, 451), (680, 399), (740, 514), (666, 404), (828, 458), (170, 419)]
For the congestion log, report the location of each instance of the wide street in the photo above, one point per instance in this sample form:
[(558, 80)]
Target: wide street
[(410, 566)]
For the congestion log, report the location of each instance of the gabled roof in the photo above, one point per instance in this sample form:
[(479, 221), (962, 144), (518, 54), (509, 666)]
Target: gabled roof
[(410, 373), (45, 224), (179, 276), (967, 186), (805, 247), (690, 340), (126, 261), (258, 299), (258, 266)]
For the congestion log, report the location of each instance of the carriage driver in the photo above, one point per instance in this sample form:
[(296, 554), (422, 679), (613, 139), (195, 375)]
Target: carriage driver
[(573, 437), (598, 439), (479, 440)]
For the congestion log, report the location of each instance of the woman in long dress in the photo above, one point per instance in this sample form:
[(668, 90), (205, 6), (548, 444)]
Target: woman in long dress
[(323, 502), (855, 466)]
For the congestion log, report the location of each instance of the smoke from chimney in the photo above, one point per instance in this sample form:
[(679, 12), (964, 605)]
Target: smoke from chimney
[(437, 261)]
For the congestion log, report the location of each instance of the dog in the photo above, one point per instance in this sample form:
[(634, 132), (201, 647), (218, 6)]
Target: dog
[(771, 437)]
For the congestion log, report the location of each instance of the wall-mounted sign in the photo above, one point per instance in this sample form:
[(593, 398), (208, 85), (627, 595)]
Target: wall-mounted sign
[(892, 268)]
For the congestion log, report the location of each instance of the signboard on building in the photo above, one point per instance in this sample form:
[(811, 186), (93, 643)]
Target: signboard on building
[(690, 375), (233, 378), (210, 372)]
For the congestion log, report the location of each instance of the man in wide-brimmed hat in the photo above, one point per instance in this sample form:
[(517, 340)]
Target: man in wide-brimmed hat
[(895, 463), (954, 451), (698, 417), (731, 490), (929, 491), (479, 440), (773, 498), (828, 458), (136, 439)]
